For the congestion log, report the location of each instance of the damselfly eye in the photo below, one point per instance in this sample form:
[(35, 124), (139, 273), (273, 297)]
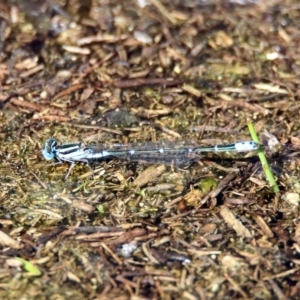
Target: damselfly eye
[(49, 148)]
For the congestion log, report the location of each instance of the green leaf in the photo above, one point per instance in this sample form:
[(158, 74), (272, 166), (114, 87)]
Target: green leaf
[(29, 267), (101, 209)]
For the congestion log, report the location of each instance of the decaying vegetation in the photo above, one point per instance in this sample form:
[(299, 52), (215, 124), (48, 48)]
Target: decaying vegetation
[(149, 71)]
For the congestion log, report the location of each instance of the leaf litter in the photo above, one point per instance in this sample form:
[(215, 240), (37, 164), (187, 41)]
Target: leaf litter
[(137, 72)]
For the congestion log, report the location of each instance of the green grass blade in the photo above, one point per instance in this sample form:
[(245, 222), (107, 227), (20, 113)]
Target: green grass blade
[(263, 160)]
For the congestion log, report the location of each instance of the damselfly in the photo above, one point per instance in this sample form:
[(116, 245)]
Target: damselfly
[(168, 153)]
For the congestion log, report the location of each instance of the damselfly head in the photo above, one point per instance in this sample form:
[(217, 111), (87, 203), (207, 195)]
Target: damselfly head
[(49, 148)]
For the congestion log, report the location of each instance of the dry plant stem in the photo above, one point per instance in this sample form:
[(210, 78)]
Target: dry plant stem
[(129, 83)]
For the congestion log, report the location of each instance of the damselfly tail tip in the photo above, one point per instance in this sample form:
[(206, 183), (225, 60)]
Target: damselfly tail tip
[(246, 146)]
